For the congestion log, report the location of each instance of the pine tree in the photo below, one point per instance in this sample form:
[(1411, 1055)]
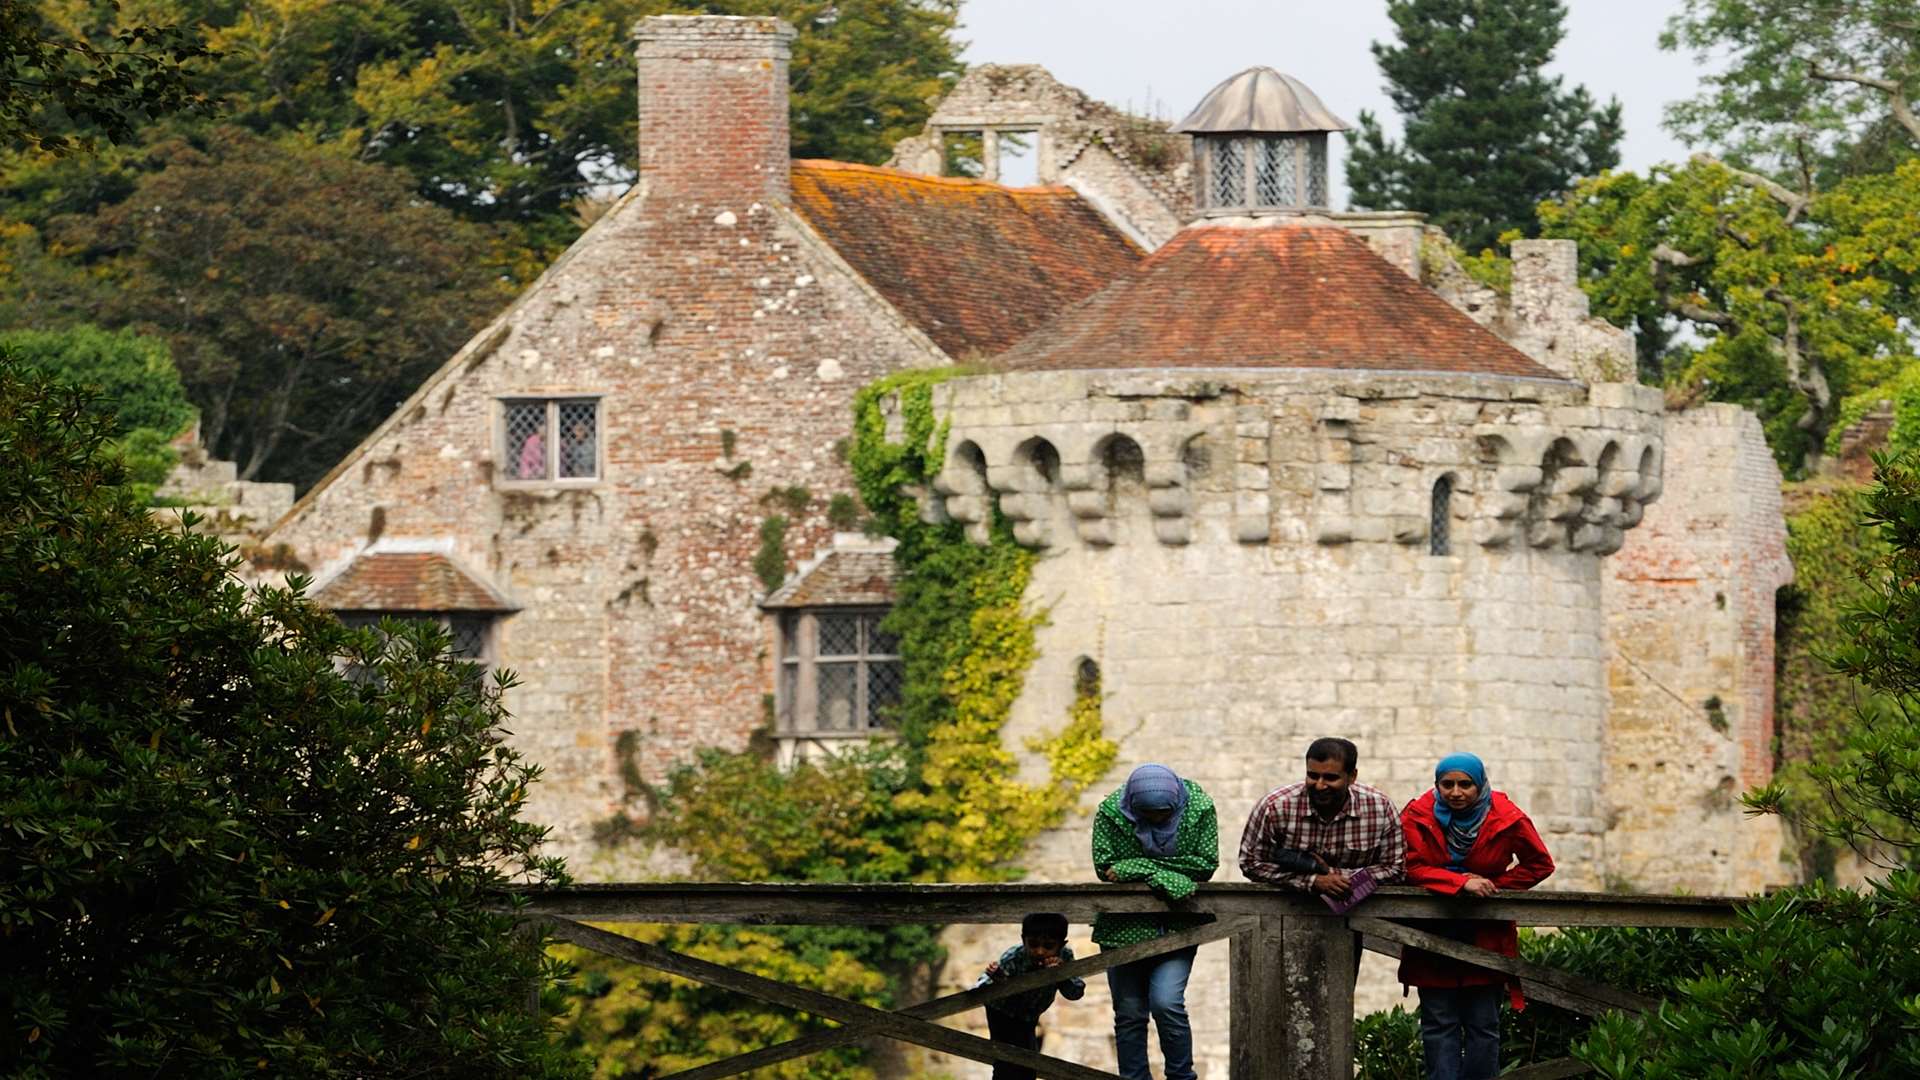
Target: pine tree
[(1488, 134)]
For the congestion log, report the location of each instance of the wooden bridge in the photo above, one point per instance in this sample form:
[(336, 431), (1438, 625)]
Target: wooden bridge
[(1290, 965)]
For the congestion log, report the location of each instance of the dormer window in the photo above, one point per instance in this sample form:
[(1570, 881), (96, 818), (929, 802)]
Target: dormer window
[(1260, 139)]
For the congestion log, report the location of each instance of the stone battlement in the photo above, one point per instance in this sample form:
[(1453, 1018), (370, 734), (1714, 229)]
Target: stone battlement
[(1298, 456)]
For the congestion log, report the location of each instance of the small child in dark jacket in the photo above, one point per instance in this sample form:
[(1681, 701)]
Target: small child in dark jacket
[(1013, 1020)]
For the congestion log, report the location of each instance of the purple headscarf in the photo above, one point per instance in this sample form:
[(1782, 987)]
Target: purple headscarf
[(1154, 787)]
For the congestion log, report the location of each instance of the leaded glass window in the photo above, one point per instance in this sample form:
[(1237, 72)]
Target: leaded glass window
[(840, 674), (1227, 172), (1440, 530), (549, 439), (1274, 172)]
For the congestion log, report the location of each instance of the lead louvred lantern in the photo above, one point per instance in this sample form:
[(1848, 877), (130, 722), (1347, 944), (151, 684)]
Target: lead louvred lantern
[(1260, 145)]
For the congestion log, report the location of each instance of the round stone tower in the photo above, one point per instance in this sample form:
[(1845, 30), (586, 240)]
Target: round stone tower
[(1281, 490)]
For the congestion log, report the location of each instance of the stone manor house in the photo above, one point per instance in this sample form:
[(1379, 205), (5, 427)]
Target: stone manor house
[(1290, 472)]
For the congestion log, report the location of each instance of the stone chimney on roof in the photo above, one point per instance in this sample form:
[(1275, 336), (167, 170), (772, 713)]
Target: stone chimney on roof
[(713, 108), (1260, 146)]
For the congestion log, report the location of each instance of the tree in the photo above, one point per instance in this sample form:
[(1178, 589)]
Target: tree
[(109, 84), (509, 111), (1487, 134), (1821, 982), (304, 295), (240, 839), (137, 383), (1795, 297), (1825, 88)]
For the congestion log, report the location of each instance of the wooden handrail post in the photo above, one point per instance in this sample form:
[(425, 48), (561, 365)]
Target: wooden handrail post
[(1254, 985), (1291, 984), (1321, 959)]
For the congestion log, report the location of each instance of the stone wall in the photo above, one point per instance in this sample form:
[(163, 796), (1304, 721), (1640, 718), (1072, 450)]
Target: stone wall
[(1266, 576), (1690, 611), (727, 343)]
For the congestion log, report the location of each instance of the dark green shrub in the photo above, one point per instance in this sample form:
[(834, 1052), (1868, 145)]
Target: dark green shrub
[(220, 855)]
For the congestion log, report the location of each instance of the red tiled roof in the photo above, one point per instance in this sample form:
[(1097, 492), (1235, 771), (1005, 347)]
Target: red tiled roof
[(974, 265), (1283, 296), (842, 579), (408, 581)]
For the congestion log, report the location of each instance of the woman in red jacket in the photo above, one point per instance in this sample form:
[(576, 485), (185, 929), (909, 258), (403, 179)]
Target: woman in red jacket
[(1463, 838)]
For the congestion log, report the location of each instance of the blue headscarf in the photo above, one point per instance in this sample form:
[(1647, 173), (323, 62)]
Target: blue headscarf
[(1462, 828), (1154, 787)]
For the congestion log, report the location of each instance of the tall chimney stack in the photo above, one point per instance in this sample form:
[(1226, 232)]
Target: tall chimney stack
[(713, 107)]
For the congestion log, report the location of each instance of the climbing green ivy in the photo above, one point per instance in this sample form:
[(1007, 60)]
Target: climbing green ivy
[(939, 803), (1833, 560)]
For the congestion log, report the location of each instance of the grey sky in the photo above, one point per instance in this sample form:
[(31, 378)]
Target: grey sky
[(1165, 56)]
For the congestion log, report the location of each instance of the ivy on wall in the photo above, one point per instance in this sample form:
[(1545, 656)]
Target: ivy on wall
[(939, 803), (1834, 559)]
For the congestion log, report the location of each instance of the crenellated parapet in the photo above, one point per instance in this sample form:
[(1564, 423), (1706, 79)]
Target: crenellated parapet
[(1094, 459)]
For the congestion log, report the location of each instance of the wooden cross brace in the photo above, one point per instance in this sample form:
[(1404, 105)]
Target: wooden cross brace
[(912, 1025)]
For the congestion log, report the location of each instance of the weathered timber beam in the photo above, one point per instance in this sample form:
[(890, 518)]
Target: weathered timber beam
[(876, 1021), (1533, 990), (961, 1002), (1551, 985), (871, 904)]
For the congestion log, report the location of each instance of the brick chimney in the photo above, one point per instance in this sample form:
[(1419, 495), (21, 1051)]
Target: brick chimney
[(713, 107)]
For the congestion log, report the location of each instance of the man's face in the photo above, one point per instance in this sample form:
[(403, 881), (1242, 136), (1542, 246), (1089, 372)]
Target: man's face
[(1327, 783)]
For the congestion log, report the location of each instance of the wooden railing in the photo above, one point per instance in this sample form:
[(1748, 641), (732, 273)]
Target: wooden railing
[(1291, 959)]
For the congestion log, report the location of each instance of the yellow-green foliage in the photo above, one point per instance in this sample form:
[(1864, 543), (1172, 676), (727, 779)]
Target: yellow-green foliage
[(1081, 753), (639, 1023), (939, 803)]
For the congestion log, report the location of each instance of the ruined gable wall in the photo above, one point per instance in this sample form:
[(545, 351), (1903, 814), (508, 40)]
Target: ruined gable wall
[(694, 312), (1690, 612), (1134, 171)]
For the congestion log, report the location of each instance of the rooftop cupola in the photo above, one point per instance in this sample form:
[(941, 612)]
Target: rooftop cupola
[(1260, 146)]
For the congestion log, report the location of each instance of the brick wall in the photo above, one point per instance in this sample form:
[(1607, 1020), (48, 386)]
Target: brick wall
[(1690, 603)]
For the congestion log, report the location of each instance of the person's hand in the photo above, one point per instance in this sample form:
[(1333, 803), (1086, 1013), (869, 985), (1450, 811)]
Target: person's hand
[(1106, 874), (1333, 883), (1479, 886), (1051, 961), (993, 969)]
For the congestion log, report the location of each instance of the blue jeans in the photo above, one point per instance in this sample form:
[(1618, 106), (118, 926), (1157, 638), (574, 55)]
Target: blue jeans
[(1460, 1031), (1156, 987)]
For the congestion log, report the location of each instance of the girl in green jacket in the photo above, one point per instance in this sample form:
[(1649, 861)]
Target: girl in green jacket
[(1159, 829)]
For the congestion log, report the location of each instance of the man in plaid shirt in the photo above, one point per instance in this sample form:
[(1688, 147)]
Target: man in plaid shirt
[(1309, 836)]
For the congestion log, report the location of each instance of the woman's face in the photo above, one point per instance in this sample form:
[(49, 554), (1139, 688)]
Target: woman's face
[(1153, 817), (1458, 789)]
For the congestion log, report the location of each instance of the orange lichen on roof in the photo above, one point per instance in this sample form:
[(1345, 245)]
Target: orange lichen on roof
[(408, 581), (1277, 296), (975, 266)]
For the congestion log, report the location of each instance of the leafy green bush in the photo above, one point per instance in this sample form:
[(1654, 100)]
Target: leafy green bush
[(136, 381), (1386, 1046), (221, 855)]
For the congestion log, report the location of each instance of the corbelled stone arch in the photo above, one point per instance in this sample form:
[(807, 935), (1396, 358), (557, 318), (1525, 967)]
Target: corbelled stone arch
[(962, 483), (1034, 481), (1117, 475), (1554, 504), (1597, 528)]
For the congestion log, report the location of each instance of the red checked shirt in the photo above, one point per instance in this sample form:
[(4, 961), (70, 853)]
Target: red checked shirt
[(1365, 833)]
